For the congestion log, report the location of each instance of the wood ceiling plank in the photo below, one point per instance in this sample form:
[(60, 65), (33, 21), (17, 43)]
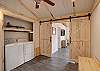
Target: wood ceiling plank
[(63, 3), (97, 2), (28, 8), (61, 8), (49, 11), (9, 12)]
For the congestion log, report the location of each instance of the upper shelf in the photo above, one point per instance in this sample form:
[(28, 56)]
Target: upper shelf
[(18, 30)]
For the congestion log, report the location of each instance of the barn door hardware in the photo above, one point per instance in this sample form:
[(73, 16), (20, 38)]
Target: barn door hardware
[(73, 4), (50, 39), (71, 17), (70, 40), (89, 14), (82, 43)]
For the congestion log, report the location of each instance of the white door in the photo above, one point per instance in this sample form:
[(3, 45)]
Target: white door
[(28, 54), (11, 56)]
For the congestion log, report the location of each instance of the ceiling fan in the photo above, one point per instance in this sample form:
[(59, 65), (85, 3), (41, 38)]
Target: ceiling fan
[(47, 1)]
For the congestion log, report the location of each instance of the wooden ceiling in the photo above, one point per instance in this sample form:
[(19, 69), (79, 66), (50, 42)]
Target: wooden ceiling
[(61, 8)]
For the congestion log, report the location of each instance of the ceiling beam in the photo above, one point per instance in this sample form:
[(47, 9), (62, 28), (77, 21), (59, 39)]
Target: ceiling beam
[(36, 17)]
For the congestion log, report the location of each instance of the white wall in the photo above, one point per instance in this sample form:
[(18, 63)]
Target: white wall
[(66, 37), (95, 32), (55, 40)]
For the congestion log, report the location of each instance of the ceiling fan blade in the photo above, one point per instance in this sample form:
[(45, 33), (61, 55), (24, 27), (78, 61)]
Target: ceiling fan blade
[(49, 2)]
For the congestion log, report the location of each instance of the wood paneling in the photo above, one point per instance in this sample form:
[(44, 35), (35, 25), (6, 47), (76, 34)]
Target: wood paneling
[(1, 42), (37, 51), (80, 38), (45, 39), (36, 41)]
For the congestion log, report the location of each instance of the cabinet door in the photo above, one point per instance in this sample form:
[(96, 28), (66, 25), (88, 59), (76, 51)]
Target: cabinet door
[(20, 53), (11, 56), (28, 54)]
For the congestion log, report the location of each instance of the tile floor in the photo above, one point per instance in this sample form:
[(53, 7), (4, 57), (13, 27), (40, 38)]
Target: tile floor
[(62, 53), (43, 63)]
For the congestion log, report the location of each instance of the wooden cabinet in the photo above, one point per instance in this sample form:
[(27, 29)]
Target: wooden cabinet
[(80, 38)]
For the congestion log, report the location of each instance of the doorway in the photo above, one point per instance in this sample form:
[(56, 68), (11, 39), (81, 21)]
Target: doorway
[(60, 38)]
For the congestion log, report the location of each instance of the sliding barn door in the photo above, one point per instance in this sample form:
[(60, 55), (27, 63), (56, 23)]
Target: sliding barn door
[(45, 38), (80, 38)]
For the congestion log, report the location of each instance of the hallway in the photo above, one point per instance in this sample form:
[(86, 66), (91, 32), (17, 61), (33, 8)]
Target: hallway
[(43, 63), (62, 53)]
